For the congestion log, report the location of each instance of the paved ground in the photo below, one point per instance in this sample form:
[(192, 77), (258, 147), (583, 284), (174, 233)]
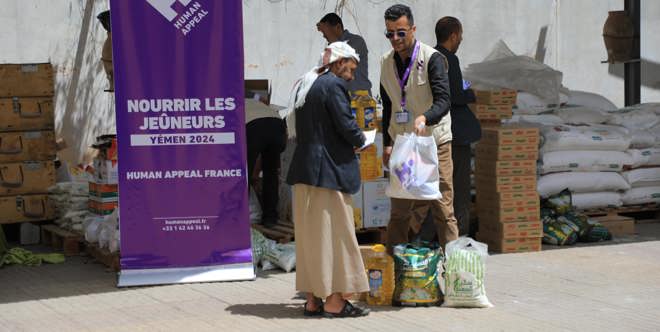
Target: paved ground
[(606, 287)]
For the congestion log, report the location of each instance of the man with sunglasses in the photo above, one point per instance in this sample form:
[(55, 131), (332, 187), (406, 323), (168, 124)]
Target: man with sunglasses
[(464, 125), (415, 90), (332, 28)]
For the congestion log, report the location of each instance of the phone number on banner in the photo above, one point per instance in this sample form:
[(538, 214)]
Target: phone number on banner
[(183, 139)]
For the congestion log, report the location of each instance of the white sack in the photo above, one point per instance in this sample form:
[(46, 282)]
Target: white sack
[(644, 157), (634, 118), (581, 182), (544, 119), (583, 201), (642, 139), (641, 195), (643, 177), (527, 103), (582, 115), (465, 274), (589, 99), (585, 161), (255, 207), (586, 137)]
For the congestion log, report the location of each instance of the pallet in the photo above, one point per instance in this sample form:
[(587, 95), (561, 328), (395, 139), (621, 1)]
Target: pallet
[(623, 210), (282, 232), (371, 235), (103, 256), (60, 239)]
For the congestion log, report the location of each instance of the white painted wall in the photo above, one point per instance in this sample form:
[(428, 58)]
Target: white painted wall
[(281, 43)]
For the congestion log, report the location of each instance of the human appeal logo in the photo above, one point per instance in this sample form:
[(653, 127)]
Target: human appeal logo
[(185, 21)]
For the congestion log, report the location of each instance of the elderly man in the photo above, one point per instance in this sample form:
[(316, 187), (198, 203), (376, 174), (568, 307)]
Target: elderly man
[(324, 173), (332, 28), (415, 93)]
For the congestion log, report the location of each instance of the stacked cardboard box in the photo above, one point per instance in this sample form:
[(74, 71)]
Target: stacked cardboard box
[(27, 142), (493, 105), (103, 190), (371, 207), (507, 202)]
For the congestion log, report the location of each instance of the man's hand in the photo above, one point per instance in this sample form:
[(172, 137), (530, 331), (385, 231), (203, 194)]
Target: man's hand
[(387, 152), (420, 125)]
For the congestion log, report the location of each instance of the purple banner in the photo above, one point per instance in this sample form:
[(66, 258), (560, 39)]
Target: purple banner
[(178, 67)]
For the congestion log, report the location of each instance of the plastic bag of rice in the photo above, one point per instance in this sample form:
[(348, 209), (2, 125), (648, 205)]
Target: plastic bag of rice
[(465, 271)]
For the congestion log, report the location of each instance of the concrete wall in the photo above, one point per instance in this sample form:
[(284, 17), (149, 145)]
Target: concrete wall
[(281, 43)]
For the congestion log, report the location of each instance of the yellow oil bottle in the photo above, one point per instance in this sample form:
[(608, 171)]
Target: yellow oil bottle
[(363, 107), (380, 271)]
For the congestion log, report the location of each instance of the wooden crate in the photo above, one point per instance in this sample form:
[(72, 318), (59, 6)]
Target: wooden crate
[(22, 114), (617, 225), (282, 232), (103, 256), (27, 146), (25, 208), (27, 80), (26, 177), (60, 239)]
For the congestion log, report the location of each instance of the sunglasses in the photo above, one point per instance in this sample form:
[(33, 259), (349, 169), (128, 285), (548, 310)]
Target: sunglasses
[(398, 33)]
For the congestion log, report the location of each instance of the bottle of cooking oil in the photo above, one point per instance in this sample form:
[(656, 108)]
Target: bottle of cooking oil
[(380, 270), (363, 107)]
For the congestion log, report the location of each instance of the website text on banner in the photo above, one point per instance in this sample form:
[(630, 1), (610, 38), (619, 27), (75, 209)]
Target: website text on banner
[(181, 134)]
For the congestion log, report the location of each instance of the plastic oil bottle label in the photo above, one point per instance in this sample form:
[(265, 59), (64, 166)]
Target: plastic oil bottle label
[(375, 282)]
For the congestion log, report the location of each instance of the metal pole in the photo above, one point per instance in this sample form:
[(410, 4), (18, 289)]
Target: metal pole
[(633, 69)]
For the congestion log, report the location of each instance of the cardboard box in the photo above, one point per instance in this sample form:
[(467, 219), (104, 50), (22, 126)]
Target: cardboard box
[(505, 184), (496, 97), (27, 80), (513, 230), (617, 225), (25, 208), (376, 207), (485, 201), (357, 203), (508, 196), (497, 244), (371, 160), (510, 214), (106, 171), (509, 135), (504, 152), (492, 167), (259, 86), (102, 208), (103, 190), (27, 146), (491, 112), (21, 114), (32, 177)]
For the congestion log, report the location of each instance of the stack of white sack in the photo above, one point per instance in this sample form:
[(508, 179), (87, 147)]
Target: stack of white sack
[(585, 156), (103, 230), (643, 121), (70, 199), (645, 186)]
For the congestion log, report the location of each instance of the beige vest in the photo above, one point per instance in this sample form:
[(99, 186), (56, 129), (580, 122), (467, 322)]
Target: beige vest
[(419, 98)]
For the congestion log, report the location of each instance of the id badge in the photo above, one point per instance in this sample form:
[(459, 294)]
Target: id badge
[(402, 117)]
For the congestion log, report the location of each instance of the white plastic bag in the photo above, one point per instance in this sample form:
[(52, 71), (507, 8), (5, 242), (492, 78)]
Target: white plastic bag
[(581, 182), (282, 255), (255, 208), (414, 168), (465, 272), (583, 161)]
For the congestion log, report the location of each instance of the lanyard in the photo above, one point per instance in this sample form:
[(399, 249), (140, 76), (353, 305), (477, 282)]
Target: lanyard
[(406, 74)]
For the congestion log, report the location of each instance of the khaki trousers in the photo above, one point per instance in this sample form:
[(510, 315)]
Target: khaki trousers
[(407, 216)]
